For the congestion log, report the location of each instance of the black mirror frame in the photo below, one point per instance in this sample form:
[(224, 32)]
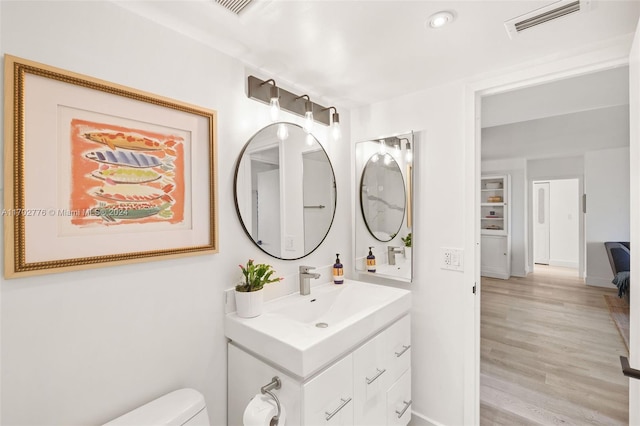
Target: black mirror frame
[(404, 190), (235, 192)]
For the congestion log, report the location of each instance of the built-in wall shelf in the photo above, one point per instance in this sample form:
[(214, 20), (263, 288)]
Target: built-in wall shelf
[(495, 226)]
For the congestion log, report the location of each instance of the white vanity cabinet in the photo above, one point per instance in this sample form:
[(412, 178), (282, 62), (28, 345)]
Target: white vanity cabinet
[(378, 365), (328, 397), (369, 386), (399, 401)]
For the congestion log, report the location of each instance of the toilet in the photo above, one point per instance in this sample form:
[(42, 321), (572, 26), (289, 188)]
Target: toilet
[(181, 407)]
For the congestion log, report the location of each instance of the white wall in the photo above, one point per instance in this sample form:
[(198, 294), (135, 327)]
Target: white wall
[(564, 216), (555, 168), (517, 169), (607, 181), (563, 135), (84, 347)]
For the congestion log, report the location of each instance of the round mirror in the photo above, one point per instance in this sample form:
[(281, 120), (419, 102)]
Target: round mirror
[(285, 191), (382, 196)]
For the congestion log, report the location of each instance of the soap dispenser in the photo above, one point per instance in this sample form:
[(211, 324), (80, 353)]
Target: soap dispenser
[(371, 261), (338, 271)]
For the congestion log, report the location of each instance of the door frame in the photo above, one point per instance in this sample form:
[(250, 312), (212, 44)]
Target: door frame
[(537, 73)]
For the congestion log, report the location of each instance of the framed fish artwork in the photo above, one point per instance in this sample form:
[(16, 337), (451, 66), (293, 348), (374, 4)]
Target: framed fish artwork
[(100, 174)]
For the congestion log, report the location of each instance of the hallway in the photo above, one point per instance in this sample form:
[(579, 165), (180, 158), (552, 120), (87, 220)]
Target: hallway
[(549, 352)]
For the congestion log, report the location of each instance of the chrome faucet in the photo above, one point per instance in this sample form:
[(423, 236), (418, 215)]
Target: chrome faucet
[(305, 279), (391, 253)]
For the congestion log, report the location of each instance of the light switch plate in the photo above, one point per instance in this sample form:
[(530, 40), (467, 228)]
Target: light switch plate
[(229, 300), (289, 243)]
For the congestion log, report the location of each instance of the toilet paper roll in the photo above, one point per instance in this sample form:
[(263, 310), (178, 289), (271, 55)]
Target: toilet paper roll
[(260, 410)]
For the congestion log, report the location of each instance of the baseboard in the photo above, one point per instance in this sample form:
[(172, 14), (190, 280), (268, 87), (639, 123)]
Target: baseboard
[(491, 274), (563, 263), (599, 282), (422, 420)]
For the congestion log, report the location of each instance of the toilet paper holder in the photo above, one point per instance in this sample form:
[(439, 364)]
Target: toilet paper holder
[(275, 383)]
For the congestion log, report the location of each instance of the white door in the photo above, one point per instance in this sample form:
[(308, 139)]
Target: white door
[(634, 146), (268, 206), (541, 237)]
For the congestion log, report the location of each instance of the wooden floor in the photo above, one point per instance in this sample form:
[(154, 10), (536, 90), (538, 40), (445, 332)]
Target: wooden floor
[(549, 353)]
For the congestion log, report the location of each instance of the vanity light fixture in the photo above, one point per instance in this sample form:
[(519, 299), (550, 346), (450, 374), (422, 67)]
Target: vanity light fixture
[(266, 90), (308, 113), (274, 99), (409, 154), (335, 124), (440, 19)]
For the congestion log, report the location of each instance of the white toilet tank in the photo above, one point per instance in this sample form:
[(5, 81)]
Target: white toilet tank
[(181, 407)]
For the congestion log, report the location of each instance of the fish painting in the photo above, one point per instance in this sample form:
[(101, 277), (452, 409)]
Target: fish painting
[(124, 158), (131, 141), (132, 193), (125, 175), (131, 211), (131, 175)]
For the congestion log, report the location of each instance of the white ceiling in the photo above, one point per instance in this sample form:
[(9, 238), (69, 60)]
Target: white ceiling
[(356, 52)]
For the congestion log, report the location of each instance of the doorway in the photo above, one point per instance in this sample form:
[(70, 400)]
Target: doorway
[(543, 254), (556, 223)]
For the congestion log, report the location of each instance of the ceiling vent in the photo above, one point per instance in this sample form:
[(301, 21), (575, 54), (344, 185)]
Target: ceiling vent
[(235, 6), (545, 14)]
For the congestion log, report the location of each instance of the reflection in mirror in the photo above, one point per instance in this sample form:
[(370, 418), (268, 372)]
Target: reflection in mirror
[(285, 191), (382, 196), (384, 175)]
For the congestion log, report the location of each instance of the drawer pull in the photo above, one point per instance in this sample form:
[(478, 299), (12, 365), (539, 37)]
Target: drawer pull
[(404, 349), (342, 404), (407, 404), (378, 374)]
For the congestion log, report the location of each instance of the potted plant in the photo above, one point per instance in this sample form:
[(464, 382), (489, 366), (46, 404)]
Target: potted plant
[(407, 245), (249, 295)]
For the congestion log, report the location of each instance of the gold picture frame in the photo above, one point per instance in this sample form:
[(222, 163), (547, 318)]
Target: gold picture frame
[(101, 174)]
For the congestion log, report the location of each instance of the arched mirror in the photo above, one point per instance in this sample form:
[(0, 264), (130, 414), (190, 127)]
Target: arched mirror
[(382, 196), (384, 227), (285, 191)]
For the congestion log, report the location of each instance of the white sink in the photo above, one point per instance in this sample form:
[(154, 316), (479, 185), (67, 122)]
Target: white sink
[(302, 334)]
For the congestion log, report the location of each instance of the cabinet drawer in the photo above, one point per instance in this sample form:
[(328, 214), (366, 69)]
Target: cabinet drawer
[(398, 347), (371, 382), (399, 401), (328, 397)]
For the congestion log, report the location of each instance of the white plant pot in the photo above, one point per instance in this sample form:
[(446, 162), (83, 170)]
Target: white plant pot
[(407, 252), (249, 304)]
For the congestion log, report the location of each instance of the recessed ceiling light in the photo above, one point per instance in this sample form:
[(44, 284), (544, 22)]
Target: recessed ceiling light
[(440, 19)]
